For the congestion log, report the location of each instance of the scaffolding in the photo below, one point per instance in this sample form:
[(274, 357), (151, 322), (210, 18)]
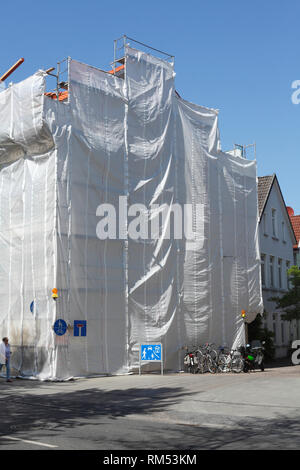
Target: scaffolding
[(126, 41), (246, 151), (126, 145)]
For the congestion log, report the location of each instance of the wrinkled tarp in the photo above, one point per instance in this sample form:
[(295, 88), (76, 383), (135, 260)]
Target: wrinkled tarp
[(133, 144)]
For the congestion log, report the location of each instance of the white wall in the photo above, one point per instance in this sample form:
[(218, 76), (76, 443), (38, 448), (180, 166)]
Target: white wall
[(278, 246)]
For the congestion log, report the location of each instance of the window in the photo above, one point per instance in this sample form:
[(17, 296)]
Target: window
[(265, 223), (271, 271), (274, 331), (282, 332), (287, 275), (283, 231), (279, 273), (263, 272), (274, 223)]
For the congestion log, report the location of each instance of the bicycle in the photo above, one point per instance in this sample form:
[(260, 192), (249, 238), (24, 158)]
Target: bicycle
[(207, 359), (231, 361), (190, 362)]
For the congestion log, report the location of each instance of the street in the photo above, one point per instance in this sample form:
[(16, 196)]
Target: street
[(258, 410)]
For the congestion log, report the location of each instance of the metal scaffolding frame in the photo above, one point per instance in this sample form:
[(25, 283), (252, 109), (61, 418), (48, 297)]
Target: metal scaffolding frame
[(243, 149), (120, 43)]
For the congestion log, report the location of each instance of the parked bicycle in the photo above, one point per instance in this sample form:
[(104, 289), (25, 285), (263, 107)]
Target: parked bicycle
[(190, 362), (230, 361), (213, 359), (207, 358)]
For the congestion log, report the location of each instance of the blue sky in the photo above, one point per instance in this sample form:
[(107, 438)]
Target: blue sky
[(239, 57)]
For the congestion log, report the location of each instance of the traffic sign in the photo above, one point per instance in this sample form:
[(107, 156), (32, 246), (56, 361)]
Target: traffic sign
[(79, 327), (60, 327), (151, 353)]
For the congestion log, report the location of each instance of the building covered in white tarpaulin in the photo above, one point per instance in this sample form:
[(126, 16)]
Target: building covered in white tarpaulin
[(120, 198)]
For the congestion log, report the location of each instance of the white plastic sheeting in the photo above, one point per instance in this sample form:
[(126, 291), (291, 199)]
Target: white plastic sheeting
[(135, 148)]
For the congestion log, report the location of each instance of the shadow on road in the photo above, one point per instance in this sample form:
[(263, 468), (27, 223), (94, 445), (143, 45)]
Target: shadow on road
[(69, 409), (72, 410)]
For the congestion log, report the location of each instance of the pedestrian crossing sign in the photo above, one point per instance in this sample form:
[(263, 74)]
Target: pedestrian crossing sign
[(151, 353)]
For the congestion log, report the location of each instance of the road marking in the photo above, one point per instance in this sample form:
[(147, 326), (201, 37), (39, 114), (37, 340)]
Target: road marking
[(28, 442)]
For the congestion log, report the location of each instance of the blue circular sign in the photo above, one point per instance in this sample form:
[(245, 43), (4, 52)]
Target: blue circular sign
[(60, 327)]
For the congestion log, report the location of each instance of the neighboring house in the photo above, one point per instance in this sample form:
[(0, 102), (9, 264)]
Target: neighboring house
[(295, 219), (277, 239)]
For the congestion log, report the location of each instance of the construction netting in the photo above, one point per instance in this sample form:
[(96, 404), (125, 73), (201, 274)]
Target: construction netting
[(120, 198)]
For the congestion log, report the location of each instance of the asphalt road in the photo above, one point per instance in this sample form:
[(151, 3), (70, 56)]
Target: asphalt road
[(258, 410)]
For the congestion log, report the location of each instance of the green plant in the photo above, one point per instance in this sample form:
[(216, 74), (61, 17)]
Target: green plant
[(290, 302)]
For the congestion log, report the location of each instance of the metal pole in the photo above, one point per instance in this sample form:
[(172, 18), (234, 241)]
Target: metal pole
[(11, 70), (139, 359), (57, 80), (246, 332), (125, 38), (115, 53), (150, 47)]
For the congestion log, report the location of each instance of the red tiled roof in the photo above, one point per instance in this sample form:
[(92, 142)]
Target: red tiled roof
[(295, 219)]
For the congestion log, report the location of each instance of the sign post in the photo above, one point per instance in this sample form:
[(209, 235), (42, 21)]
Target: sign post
[(151, 353)]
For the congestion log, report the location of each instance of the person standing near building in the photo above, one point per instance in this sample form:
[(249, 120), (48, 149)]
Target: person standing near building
[(5, 357)]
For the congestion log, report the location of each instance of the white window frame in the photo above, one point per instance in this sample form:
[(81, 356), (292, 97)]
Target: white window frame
[(275, 332), (274, 222), (288, 265), (279, 273), (271, 266), (263, 269), (265, 224), (282, 333), (283, 231)]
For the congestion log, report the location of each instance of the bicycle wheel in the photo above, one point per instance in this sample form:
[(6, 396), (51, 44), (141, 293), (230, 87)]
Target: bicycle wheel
[(237, 365), (201, 362), (222, 363), (212, 365), (186, 364), (213, 354), (194, 365)]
